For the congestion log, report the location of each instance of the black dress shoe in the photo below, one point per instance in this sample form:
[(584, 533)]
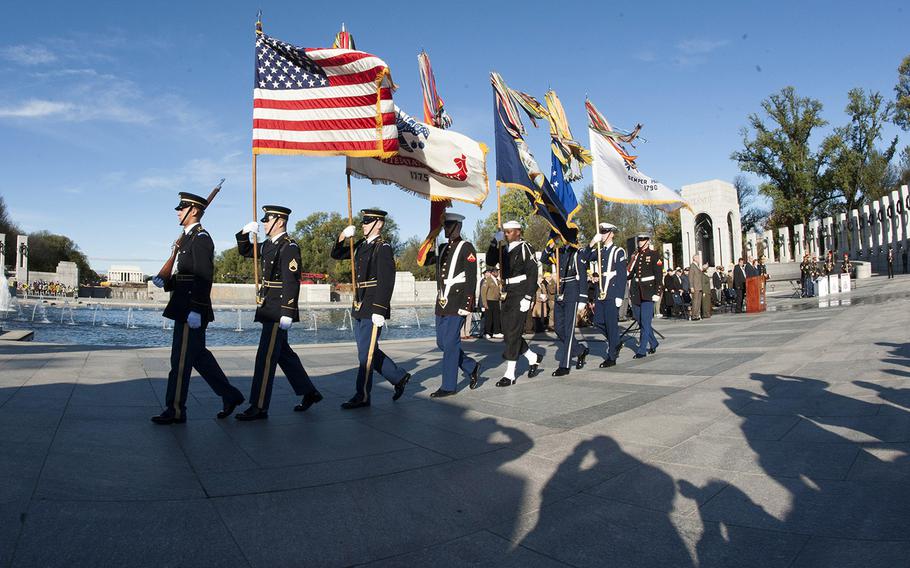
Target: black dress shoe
[(581, 359), (309, 400), (166, 418), (399, 387), (475, 374), (560, 372), (607, 363), (534, 370), (440, 393), (505, 382), (652, 351), (639, 356), (228, 409), (355, 403), (252, 413)]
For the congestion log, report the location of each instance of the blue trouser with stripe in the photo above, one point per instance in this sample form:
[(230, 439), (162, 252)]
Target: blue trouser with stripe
[(606, 319), (448, 339), (564, 318), (372, 359), (646, 338), (188, 352), (273, 352)]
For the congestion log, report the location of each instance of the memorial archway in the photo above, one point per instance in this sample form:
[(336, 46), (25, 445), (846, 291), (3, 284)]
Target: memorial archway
[(730, 236), (704, 238)]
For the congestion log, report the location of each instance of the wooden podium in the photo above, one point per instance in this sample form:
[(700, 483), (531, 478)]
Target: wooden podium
[(755, 294)]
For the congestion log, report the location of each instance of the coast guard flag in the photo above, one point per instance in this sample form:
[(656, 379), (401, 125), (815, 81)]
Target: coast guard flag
[(433, 163), (618, 179), (321, 101), (516, 168)]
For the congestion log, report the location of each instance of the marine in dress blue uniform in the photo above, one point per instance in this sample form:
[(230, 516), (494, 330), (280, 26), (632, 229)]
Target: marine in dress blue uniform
[(645, 278), (456, 282), (611, 289), (279, 256), (190, 307), (374, 269), (572, 265), (519, 281)]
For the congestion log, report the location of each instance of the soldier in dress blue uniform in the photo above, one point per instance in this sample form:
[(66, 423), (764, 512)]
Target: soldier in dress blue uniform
[(279, 256), (645, 277), (190, 306), (456, 282), (571, 299), (519, 281), (611, 288), (374, 268)]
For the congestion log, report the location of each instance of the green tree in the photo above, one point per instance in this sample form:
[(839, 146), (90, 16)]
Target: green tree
[(859, 170), (629, 219), (781, 152), (232, 268), (902, 95), (10, 229), (750, 215), (46, 249), (407, 260)]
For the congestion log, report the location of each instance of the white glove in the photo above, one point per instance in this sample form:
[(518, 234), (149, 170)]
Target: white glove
[(348, 232), (194, 320), (619, 302), (524, 305), (378, 320), (655, 298), (464, 313), (597, 238), (251, 227), (285, 323), (581, 308), (158, 282), (499, 236)]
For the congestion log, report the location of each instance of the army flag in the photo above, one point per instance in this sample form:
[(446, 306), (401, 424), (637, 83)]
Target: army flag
[(432, 163), (516, 167), (616, 175)]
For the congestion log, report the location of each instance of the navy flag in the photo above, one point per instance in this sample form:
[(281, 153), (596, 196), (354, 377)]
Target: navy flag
[(517, 169)]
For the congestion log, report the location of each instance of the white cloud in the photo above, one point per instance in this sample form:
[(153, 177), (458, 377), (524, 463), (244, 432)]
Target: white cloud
[(28, 54), (699, 46), (35, 108)]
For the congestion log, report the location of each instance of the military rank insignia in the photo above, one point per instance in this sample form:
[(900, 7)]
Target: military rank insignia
[(472, 258), (292, 266)]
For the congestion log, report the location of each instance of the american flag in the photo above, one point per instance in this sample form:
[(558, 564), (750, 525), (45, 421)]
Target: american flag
[(321, 101)]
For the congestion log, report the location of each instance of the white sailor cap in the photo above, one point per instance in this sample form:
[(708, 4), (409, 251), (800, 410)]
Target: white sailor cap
[(511, 225), (454, 218), (608, 226)]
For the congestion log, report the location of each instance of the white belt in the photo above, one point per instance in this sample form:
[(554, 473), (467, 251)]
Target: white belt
[(449, 282), (646, 279), (569, 279), (516, 279)]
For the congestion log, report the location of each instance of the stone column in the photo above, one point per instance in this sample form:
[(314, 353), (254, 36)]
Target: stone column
[(751, 246), (897, 227), (855, 234), (865, 222), (22, 259), (768, 238), (799, 237), (812, 237), (827, 229), (887, 224), (3, 252), (783, 234), (904, 233), (875, 225), (843, 243), (668, 255)]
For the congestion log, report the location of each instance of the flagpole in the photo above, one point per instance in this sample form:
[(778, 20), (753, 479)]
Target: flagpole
[(499, 221), (600, 277), (255, 234), (351, 241)]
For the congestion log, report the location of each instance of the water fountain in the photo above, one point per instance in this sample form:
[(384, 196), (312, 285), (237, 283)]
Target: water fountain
[(43, 318), (130, 324), (5, 297), (67, 306), (239, 322), (347, 319), (315, 327)]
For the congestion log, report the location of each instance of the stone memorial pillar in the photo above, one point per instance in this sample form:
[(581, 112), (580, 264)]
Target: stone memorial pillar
[(768, 238), (3, 253), (904, 234), (827, 231), (751, 246), (887, 224), (865, 225), (668, 255), (799, 237), (843, 240), (875, 225), (812, 237), (897, 228), (783, 234), (22, 259), (855, 234)]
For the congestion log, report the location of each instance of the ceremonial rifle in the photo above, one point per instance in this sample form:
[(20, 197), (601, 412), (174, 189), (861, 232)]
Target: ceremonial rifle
[(168, 267)]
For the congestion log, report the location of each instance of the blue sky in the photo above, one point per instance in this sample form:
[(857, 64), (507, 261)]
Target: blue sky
[(108, 109)]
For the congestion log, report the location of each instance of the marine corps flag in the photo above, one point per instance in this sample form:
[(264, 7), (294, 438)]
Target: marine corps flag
[(616, 174), (516, 168)]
